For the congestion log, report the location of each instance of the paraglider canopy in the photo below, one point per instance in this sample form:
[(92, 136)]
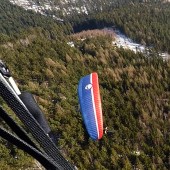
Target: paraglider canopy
[(90, 105)]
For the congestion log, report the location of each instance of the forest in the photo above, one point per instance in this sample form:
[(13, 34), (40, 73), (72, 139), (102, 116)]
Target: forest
[(134, 88)]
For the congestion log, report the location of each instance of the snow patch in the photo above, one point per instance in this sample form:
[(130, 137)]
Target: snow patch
[(123, 41)]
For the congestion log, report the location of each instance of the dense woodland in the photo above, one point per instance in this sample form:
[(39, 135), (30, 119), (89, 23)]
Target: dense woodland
[(146, 23), (135, 88)]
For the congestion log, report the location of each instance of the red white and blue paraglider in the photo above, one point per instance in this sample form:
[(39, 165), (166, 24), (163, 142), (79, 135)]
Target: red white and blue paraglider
[(90, 105)]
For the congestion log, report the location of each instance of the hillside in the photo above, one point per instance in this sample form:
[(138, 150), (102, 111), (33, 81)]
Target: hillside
[(59, 9), (62, 8), (14, 22), (152, 29), (134, 88)]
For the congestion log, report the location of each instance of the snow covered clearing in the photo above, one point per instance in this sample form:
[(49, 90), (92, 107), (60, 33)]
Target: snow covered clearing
[(123, 41), (120, 40)]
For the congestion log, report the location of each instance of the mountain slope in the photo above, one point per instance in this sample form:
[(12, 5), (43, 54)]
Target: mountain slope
[(135, 100), (14, 19), (61, 8), (134, 88)]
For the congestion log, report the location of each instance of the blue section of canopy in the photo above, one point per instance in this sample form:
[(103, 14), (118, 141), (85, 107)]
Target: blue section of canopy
[(87, 106)]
